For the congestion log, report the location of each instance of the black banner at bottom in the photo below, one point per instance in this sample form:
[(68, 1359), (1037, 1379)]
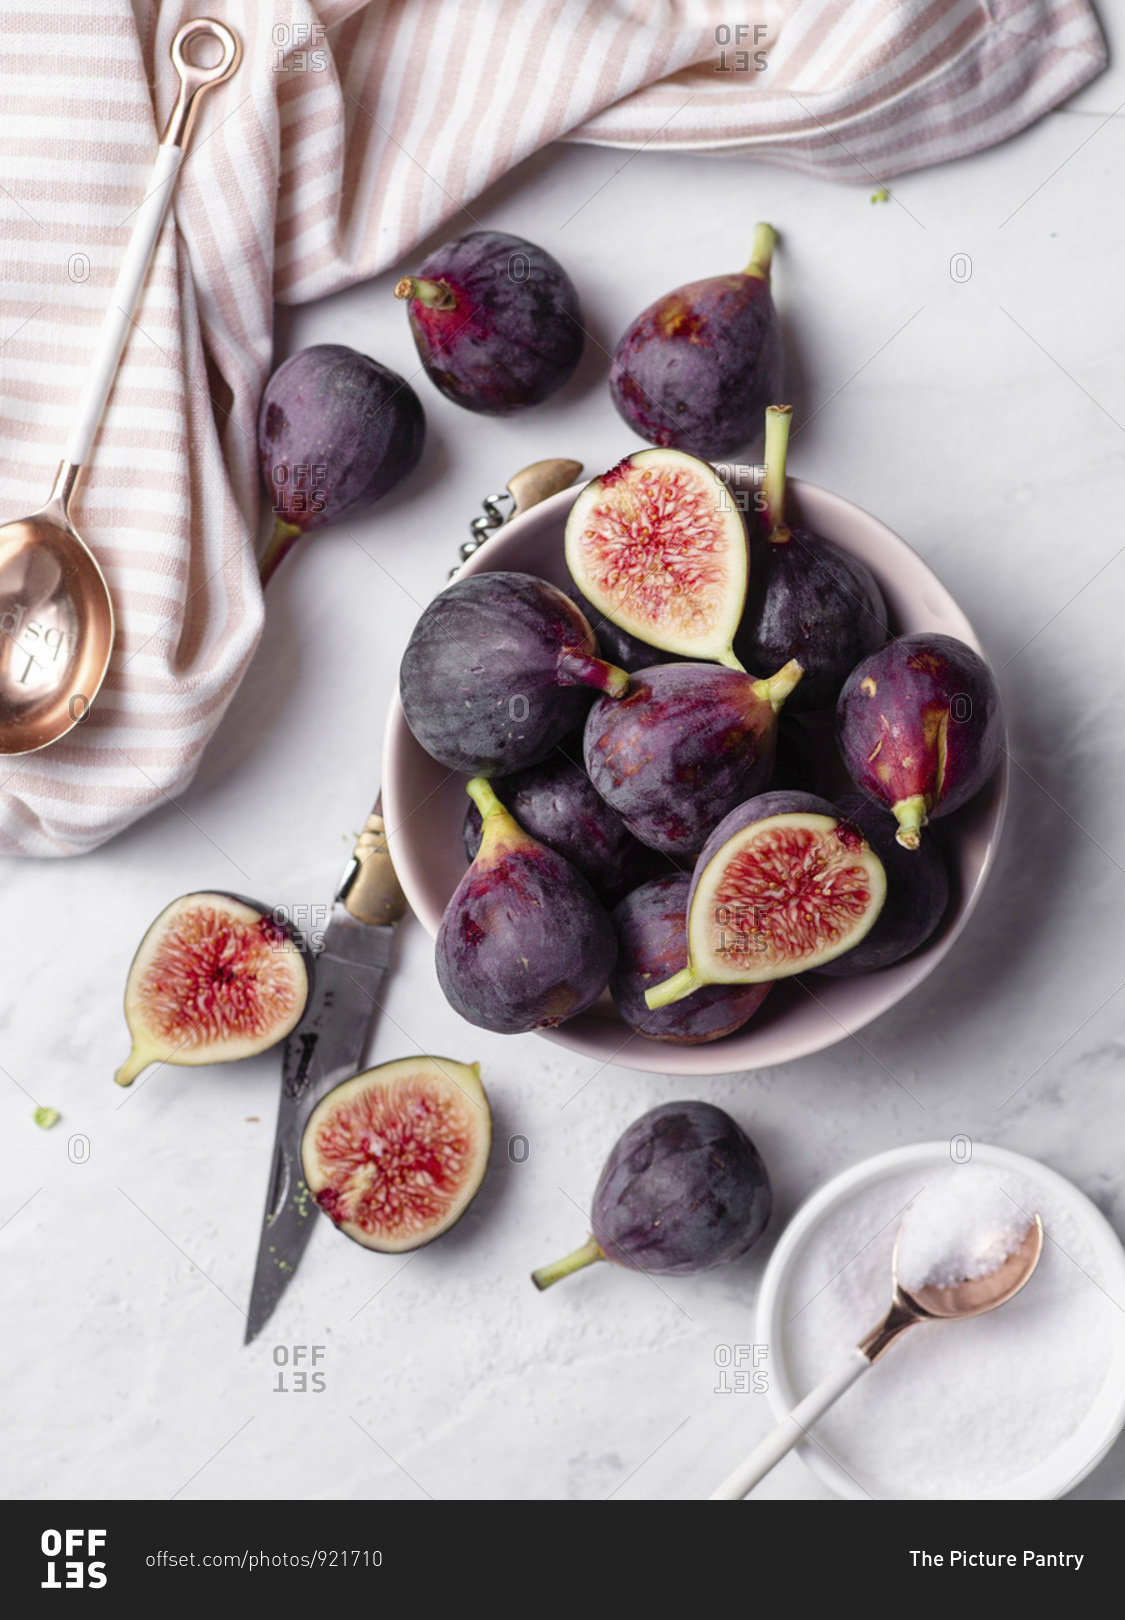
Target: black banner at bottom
[(510, 1553)]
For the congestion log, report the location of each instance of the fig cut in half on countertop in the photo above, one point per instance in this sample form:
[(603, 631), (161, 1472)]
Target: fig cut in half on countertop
[(396, 1155), (216, 978)]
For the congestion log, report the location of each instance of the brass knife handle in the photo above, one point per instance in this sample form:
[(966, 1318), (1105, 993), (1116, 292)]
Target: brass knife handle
[(375, 895)]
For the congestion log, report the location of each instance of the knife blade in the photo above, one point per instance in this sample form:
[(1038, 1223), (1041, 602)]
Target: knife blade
[(329, 1043), (327, 1046)]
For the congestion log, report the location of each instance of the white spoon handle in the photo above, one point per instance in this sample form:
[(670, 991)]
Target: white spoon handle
[(791, 1430), (117, 322)]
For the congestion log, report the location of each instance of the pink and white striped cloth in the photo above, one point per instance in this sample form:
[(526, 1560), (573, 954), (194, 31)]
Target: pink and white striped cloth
[(351, 132)]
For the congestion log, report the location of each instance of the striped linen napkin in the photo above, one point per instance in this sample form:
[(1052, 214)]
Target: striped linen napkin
[(326, 159)]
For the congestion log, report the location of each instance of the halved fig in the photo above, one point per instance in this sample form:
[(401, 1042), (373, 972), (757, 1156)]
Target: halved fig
[(396, 1155), (651, 926), (782, 885), (216, 978), (658, 546)]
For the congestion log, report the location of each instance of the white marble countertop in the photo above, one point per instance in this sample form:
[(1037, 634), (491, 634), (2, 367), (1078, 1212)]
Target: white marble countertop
[(983, 421)]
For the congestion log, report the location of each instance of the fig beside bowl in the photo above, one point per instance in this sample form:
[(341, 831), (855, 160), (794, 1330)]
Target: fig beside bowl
[(425, 805)]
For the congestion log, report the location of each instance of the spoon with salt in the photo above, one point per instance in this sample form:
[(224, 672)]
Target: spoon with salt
[(938, 1301)]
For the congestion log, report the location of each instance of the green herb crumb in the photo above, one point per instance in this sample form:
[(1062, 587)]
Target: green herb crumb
[(46, 1117), (881, 195)]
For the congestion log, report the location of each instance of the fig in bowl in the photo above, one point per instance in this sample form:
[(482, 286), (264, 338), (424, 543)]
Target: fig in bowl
[(425, 805)]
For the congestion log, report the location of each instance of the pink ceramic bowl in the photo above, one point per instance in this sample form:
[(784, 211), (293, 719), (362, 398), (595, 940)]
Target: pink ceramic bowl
[(425, 806)]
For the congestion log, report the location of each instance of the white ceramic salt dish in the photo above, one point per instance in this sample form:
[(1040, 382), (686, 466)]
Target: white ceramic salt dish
[(1104, 1420), (424, 807)]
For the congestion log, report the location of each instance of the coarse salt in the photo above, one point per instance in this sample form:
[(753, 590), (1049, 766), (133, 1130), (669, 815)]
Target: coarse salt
[(955, 1410), (962, 1225)]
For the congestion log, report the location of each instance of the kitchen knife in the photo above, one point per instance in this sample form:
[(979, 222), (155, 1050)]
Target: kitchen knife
[(327, 1046), (330, 1042)]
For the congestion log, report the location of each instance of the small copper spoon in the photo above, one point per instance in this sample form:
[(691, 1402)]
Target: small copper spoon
[(950, 1304), (56, 615)]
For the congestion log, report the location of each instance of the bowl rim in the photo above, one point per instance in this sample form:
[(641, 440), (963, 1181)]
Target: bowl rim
[(1050, 1478), (712, 1058)]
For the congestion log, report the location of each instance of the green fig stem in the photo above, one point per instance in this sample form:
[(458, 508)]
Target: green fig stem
[(497, 822), (434, 294), (579, 669), (137, 1060), (729, 661), (681, 984), (911, 815), (483, 795), (761, 252), (778, 421), (776, 688), (585, 1256), (283, 537)]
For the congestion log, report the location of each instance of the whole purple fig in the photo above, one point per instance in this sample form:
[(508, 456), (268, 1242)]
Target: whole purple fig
[(809, 599), (684, 745), (920, 728), (336, 432), (556, 803), (683, 1190), (496, 322), (498, 670), (917, 893), (696, 369), (524, 942), (652, 945)]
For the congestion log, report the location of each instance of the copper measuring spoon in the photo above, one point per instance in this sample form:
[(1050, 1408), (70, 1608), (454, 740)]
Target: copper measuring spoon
[(953, 1303), (56, 615)]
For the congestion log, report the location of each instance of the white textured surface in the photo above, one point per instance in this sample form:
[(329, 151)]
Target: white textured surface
[(994, 450)]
